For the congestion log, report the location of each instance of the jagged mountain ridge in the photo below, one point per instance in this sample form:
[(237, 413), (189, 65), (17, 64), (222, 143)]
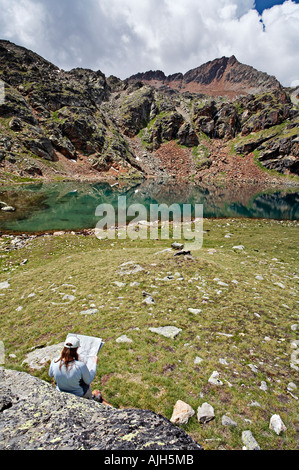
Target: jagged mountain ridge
[(81, 124), (220, 77)]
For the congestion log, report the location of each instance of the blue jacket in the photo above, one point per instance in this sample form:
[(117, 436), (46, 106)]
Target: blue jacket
[(69, 380)]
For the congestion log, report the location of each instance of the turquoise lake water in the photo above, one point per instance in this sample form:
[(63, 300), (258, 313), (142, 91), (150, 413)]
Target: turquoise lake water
[(72, 206)]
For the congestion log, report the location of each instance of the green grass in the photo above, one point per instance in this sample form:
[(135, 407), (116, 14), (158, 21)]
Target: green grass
[(154, 372)]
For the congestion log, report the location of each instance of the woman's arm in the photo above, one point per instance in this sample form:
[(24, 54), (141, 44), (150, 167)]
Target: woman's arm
[(51, 372), (89, 375)]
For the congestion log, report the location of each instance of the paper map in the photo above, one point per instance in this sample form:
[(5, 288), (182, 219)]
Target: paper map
[(89, 347)]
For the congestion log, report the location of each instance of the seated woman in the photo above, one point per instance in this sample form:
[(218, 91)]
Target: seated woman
[(70, 374)]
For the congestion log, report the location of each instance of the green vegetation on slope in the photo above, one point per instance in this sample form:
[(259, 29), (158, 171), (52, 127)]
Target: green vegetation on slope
[(248, 302)]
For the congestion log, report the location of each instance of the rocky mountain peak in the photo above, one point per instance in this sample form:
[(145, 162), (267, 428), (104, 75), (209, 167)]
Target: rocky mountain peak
[(224, 76)]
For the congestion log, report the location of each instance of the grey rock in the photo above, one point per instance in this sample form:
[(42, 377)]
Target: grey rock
[(167, 250), (38, 358), (263, 386), (249, 441), (177, 246), (223, 362), (255, 403), (37, 416), (276, 424), (119, 284), (4, 285), (291, 387), (223, 284), (90, 311), (123, 339), (149, 300), (167, 331), (68, 297), (198, 360), (214, 379), (8, 209), (129, 268), (16, 124), (227, 421), (253, 368), (205, 413), (195, 311)]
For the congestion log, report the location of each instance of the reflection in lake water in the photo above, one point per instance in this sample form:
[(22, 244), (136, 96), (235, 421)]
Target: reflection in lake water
[(72, 205)]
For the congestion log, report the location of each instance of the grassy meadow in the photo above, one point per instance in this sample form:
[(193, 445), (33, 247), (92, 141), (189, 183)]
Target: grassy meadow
[(248, 302)]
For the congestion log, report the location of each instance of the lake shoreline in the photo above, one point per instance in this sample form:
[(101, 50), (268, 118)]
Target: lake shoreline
[(91, 231)]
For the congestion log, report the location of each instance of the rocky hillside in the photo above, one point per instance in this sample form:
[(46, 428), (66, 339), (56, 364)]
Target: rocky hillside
[(81, 124), (35, 416)]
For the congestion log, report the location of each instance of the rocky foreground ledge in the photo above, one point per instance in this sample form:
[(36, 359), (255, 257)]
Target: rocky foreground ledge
[(34, 415)]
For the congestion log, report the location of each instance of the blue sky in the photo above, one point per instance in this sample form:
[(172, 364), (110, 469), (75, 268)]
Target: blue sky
[(261, 5), (123, 37)]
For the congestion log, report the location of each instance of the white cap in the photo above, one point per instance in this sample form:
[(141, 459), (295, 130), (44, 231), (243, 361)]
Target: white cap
[(72, 342)]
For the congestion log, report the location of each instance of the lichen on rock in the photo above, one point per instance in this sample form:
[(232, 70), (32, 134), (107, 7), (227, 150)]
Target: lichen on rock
[(34, 415)]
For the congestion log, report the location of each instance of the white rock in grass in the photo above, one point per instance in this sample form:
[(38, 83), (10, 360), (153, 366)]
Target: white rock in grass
[(181, 413), (90, 311), (279, 284), (123, 339), (214, 379), (223, 362), (227, 421), (198, 360), (195, 311), (148, 300), (4, 285), (38, 358), (253, 368), (291, 387), (277, 425), (8, 209), (223, 284), (205, 413), (68, 297), (263, 386), (119, 284), (168, 331)]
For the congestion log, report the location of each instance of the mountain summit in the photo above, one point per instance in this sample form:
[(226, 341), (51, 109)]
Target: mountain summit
[(220, 77)]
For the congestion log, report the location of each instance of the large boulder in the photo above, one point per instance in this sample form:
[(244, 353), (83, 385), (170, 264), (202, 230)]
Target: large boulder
[(34, 415)]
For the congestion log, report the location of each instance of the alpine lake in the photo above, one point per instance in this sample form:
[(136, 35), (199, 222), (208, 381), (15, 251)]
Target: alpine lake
[(45, 207)]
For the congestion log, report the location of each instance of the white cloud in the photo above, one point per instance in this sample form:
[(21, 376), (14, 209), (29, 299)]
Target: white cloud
[(281, 42), (123, 37), (20, 18)]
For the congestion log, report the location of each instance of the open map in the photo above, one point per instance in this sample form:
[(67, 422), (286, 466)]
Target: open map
[(89, 347)]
